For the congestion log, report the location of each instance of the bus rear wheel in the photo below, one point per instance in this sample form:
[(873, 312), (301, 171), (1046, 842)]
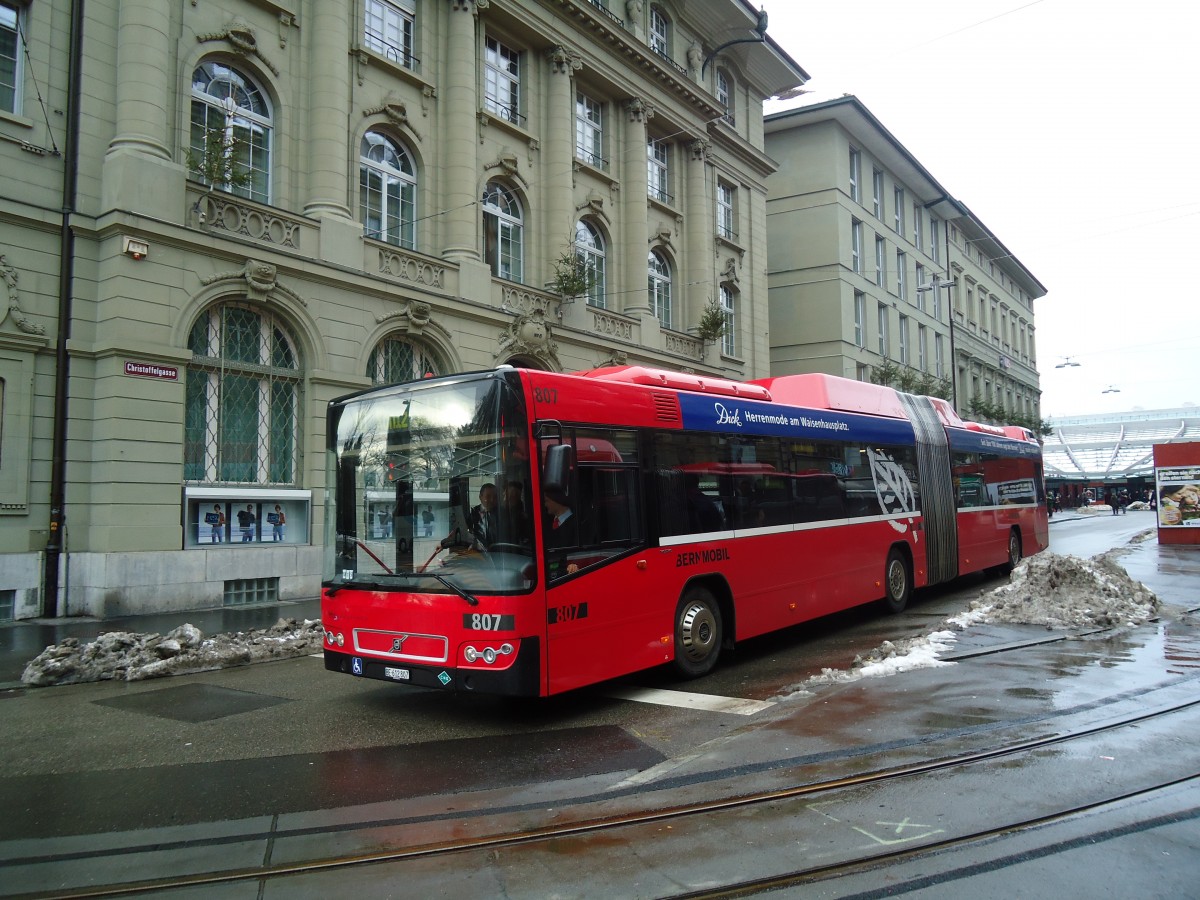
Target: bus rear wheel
[(1014, 551), (697, 633), (897, 581)]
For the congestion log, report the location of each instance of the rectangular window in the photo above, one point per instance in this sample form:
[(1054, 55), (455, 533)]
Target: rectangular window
[(10, 59), (918, 229), (884, 340), (903, 332), (589, 131), (898, 199), (856, 246), (901, 273), (877, 193), (389, 30), (860, 315), (725, 213), (725, 96), (658, 170), (729, 338), (880, 269), (935, 240), (855, 175), (922, 339), (502, 81), (920, 282), (659, 33), (939, 365)]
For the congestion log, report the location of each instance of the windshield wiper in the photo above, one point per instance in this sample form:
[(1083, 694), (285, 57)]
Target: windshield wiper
[(450, 584), (379, 586)]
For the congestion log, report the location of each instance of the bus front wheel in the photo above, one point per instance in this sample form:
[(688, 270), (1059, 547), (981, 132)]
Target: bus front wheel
[(897, 582), (697, 633)]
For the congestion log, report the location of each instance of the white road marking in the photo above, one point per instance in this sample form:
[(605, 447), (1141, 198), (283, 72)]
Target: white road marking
[(707, 702)]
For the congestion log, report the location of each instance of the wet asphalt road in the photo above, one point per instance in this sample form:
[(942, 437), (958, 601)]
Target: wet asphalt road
[(122, 765)]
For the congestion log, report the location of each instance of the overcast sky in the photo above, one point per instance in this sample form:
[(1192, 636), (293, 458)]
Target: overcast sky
[(1070, 128)]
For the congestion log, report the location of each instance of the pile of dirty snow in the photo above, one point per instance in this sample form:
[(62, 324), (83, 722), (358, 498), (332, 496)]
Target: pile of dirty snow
[(1065, 592), (1047, 589), (128, 656)]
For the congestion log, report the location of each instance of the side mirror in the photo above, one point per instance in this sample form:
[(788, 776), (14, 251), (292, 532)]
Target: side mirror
[(556, 472)]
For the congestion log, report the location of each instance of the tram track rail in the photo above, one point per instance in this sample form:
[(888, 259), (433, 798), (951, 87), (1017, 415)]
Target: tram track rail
[(611, 825)]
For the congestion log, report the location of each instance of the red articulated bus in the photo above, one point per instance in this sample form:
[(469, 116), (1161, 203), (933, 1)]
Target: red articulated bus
[(525, 533)]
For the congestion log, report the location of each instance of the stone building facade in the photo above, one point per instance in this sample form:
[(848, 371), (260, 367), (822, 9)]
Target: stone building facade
[(873, 262), (220, 214)]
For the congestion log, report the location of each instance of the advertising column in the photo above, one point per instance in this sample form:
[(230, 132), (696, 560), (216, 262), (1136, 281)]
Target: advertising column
[(1177, 492)]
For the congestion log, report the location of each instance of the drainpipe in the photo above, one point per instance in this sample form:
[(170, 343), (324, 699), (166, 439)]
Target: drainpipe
[(56, 544)]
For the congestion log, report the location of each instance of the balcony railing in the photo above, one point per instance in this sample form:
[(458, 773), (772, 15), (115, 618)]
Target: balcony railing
[(500, 111), (399, 55), (602, 8), (592, 159), (661, 54)]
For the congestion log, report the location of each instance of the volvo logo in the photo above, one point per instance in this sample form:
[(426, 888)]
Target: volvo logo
[(397, 643)]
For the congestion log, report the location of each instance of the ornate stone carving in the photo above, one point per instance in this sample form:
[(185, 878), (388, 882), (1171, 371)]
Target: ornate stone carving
[(242, 39), (13, 301), (223, 210), (730, 273), (286, 21), (523, 302), (261, 282), (394, 110), (563, 61), (683, 345), (593, 206), (507, 163), (397, 264), (614, 358), (700, 149), (607, 324), (416, 318), (639, 110), (530, 335)]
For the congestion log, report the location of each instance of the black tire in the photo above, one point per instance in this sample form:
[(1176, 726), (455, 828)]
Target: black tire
[(698, 633), (1014, 552), (897, 581)]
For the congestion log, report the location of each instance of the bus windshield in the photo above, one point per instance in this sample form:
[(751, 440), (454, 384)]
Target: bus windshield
[(430, 485)]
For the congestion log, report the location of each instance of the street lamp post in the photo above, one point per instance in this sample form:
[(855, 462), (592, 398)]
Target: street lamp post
[(933, 287)]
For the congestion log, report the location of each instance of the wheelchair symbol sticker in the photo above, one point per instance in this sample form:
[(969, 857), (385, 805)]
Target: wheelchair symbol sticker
[(356, 666)]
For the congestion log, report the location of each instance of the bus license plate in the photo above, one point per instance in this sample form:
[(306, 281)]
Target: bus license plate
[(395, 674)]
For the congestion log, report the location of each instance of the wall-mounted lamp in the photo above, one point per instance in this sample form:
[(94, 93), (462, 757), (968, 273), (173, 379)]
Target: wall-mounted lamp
[(760, 36), (135, 248)]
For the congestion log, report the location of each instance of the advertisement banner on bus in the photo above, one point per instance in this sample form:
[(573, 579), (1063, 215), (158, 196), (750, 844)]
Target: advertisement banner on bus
[(706, 413)]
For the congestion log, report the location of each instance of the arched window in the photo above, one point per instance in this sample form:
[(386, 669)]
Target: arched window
[(387, 191), (242, 416), (503, 232), (589, 249), (659, 279), (729, 338), (231, 132), (397, 359)]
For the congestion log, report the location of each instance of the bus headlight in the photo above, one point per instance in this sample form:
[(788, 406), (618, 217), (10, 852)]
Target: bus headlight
[(487, 655)]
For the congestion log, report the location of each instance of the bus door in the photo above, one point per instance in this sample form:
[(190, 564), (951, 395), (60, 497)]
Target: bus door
[(600, 613)]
